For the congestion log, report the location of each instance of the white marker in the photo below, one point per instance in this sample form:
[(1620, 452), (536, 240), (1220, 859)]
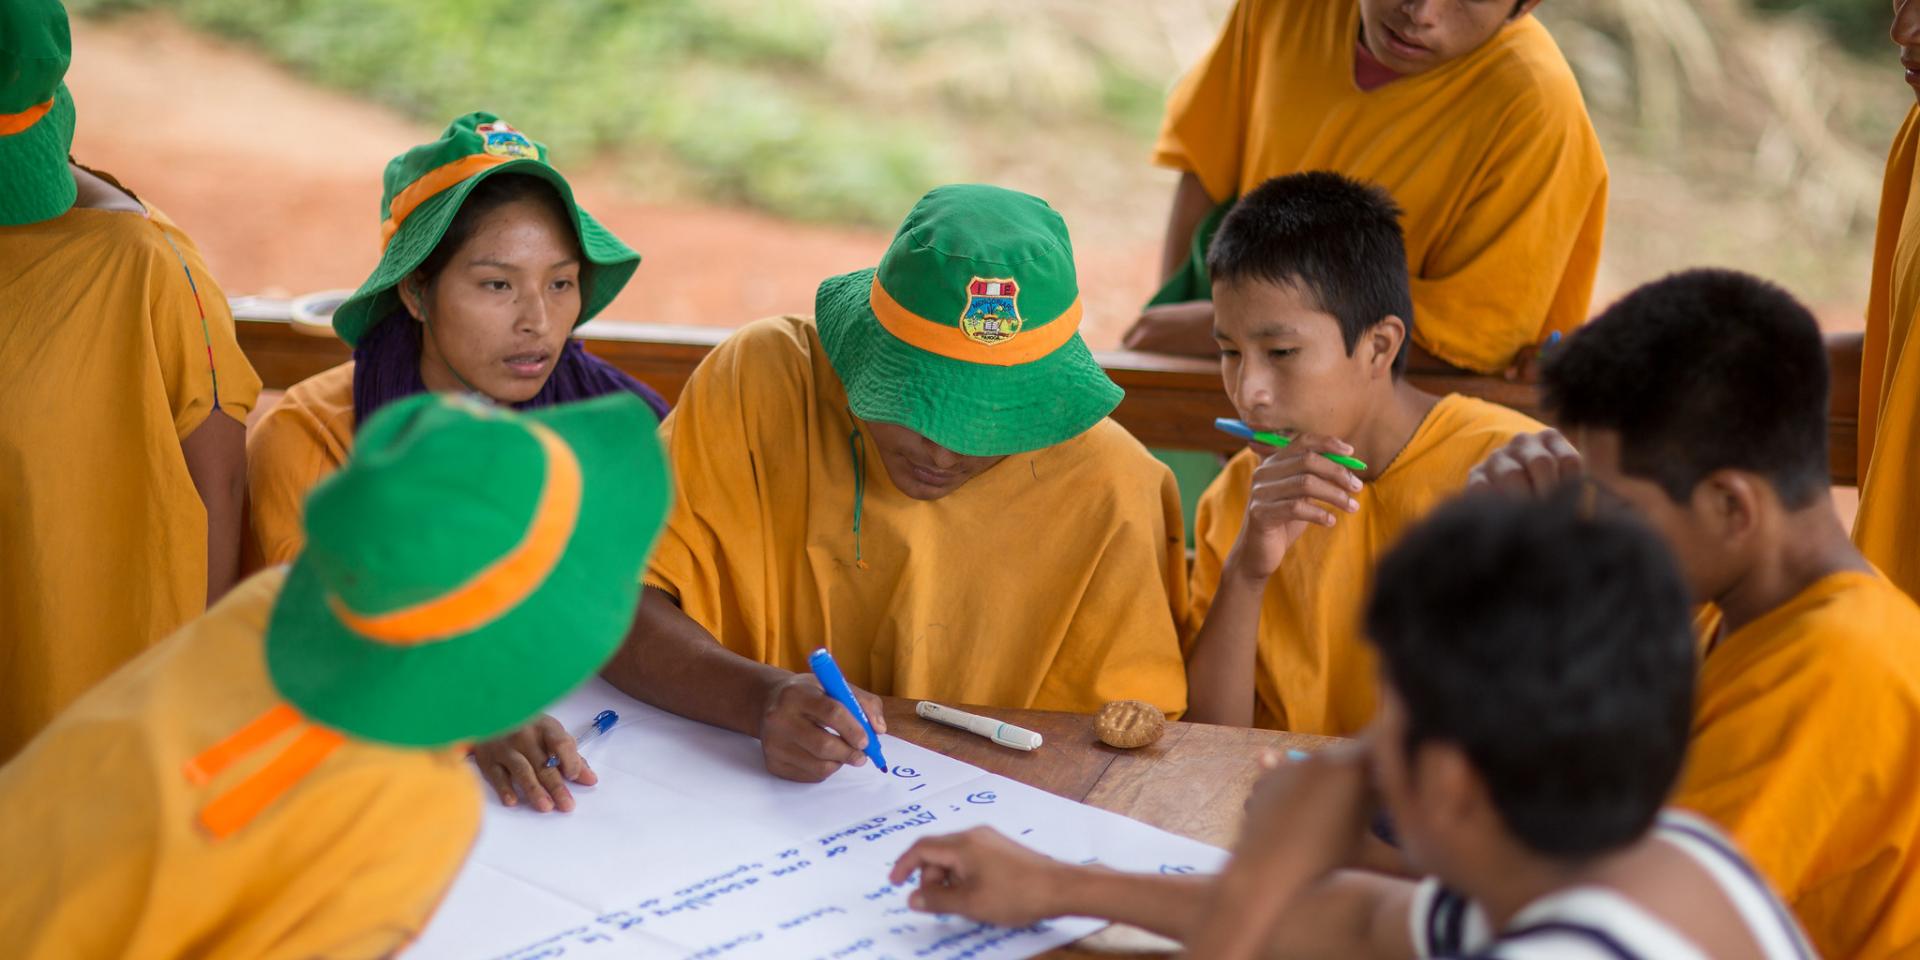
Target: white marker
[(1004, 734)]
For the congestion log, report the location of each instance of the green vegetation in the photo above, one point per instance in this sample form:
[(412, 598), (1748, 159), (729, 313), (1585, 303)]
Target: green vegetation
[(798, 108), (1860, 25)]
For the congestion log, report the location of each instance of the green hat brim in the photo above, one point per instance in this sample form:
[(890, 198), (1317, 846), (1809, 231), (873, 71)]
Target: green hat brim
[(611, 262), (41, 184), (494, 679), (974, 409)]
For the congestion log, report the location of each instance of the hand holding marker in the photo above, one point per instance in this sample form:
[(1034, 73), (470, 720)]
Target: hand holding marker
[(835, 684), (1232, 427)]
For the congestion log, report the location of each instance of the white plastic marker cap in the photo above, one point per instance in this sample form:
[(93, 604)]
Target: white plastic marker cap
[(1004, 734)]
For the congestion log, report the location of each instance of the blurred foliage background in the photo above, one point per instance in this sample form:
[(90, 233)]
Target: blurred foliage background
[(1743, 132)]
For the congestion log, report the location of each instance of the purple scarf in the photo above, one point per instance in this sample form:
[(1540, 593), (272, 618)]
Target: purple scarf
[(386, 367)]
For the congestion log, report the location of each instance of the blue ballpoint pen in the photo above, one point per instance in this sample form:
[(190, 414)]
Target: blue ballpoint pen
[(836, 687), (602, 722)]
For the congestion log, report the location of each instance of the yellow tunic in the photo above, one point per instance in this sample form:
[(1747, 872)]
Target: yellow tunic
[(1887, 527), (106, 858), (105, 367), (304, 438), (1313, 672), (1492, 156), (1053, 580), (1804, 749)]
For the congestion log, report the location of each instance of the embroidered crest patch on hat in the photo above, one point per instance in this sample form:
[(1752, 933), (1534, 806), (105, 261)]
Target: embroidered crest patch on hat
[(502, 140), (992, 314)]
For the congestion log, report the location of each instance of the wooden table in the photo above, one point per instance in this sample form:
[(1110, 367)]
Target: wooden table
[(1192, 782)]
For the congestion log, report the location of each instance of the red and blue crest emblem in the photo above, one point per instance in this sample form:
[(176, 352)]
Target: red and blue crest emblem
[(501, 140), (992, 314)]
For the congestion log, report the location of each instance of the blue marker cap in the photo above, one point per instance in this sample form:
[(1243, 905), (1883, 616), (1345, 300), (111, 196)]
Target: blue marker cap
[(835, 684)]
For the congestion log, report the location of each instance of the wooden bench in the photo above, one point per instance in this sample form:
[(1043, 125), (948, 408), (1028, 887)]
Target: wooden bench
[(1170, 401)]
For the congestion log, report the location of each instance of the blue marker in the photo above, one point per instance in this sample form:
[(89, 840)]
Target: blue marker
[(831, 680), (602, 722)]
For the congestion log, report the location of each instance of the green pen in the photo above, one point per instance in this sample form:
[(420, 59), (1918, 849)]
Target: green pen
[(1236, 428)]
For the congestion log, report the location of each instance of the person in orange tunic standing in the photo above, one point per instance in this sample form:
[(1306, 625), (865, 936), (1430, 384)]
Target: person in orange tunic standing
[(1887, 528), (122, 458), (1464, 111)]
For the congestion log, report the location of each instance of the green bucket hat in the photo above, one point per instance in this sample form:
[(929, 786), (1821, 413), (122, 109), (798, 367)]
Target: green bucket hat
[(468, 566), (968, 331), (425, 187), (36, 112)]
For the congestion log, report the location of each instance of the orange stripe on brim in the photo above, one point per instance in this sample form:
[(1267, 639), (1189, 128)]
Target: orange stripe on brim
[(12, 123), (237, 807), (500, 587), (430, 184), (1032, 343)]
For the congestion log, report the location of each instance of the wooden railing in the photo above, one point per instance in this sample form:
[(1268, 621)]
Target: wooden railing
[(1170, 401)]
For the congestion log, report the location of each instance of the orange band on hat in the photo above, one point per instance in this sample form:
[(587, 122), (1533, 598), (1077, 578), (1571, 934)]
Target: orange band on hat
[(503, 584), (12, 123), (430, 183), (1031, 344)]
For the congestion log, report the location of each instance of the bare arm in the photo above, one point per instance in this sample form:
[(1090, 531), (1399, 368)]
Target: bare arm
[(1190, 206), (216, 454), (1282, 893), (1221, 668), (1293, 488), (1185, 329), (673, 663), (983, 875), (670, 661)]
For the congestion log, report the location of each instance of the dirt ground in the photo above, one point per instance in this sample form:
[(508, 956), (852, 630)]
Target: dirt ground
[(278, 181)]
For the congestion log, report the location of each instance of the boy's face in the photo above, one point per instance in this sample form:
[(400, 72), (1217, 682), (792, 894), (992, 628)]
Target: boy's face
[(1412, 36), (920, 468), (1688, 528), (1906, 33), (1284, 363)]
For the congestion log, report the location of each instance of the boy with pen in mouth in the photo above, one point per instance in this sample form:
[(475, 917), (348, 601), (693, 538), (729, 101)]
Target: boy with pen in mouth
[(1312, 312), (1536, 693)]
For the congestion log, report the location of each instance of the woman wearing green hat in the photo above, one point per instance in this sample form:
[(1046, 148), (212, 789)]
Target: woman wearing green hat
[(122, 458), (283, 778), (921, 478), (487, 266)]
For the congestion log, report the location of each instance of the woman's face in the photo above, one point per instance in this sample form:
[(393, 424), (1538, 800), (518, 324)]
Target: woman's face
[(500, 312)]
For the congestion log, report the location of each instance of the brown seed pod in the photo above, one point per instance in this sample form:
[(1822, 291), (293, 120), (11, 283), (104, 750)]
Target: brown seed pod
[(1129, 723)]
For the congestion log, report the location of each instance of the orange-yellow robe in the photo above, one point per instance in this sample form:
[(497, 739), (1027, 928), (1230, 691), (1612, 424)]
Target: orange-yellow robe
[(1887, 528), (107, 363), (1056, 579), (1806, 748), (1492, 156), (1313, 673), (304, 438), (106, 858)]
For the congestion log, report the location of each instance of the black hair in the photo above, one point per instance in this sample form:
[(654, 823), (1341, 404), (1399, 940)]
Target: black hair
[(1552, 643), (1701, 371), (1336, 240), (487, 196)]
